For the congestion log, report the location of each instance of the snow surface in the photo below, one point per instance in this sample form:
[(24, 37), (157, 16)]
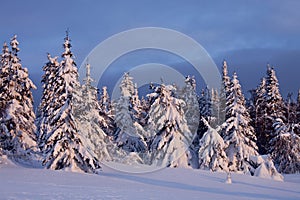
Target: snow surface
[(26, 183)]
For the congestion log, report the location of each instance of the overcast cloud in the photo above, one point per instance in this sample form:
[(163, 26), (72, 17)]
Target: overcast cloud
[(248, 34)]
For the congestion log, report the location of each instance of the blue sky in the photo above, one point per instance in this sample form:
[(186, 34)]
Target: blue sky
[(248, 34)]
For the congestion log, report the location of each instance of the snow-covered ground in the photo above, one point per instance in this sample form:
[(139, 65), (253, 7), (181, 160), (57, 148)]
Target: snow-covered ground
[(26, 183)]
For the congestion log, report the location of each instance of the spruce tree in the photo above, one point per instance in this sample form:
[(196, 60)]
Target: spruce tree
[(4, 95), (18, 139), (297, 124), (130, 134), (107, 113), (64, 147), (192, 113), (238, 134), (172, 135), (260, 115), (285, 148), (205, 109), (212, 154), (45, 108), (274, 106), (216, 109), (224, 92), (225, 79), (88, 119)]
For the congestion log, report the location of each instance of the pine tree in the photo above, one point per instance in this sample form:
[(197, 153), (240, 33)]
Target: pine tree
[(290, 110), (260, 115), (224, 92), (4, 77), (130, 135), (216, 109), (274, 105), (172, 135), (205, 109), (238, 134), (45, 109), (18, 138), (107, 113), (105, 103), (88, 119), (297, 124), (225, 79), (63, 147), (192, 113), (211, 153), (285, 148), (4, 95)]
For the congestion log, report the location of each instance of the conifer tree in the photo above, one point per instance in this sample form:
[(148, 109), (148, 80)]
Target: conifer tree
[(238, 134), (192, 115), (285, 148), (17, 128), (297, 124), (130, 134), (211, 153), (64, 147), (45, 109), (88, 119), (225, 79), (274, 106), (216, 109), (290, 110), (224, 92), (4, 95), (172, 135), (107, 113), (205, 109), (260, 111)]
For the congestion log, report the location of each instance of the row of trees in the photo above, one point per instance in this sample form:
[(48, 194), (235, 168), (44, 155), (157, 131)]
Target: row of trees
[(217, 130)]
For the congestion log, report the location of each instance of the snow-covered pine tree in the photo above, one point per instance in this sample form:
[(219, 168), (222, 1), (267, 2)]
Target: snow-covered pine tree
[(205, 109), (238, 134), (144, 109), (216, 109), (88, 119), (172, 135), (17, 128), (4, 76), (104, 102), (45, 109), (225, 78), (192, 113), (274, 106), (130, 134), (260, 111), (285, 148), (107, 113), (4, 94), (224, 91), (212, 154), (297, 124), (191, 109), (63, 147), (290, 110)]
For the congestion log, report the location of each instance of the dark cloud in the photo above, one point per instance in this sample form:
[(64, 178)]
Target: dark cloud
[(248, 34)]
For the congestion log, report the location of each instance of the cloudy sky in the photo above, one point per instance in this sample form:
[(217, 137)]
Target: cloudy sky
[(248, 34)]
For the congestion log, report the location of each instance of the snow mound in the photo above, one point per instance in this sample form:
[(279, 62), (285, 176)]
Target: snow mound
[(6, 163), (266, 168)]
